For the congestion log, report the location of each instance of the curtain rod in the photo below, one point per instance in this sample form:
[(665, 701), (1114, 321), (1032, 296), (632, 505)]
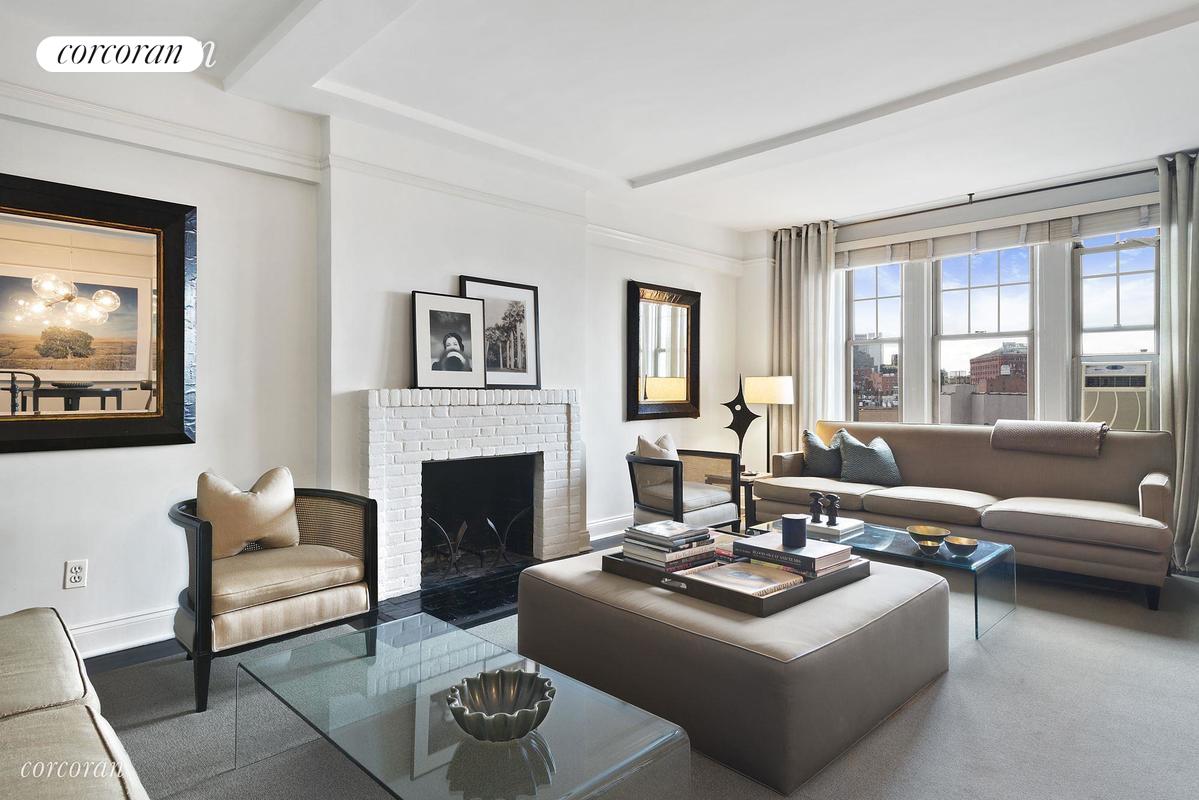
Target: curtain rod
[(971, 201)]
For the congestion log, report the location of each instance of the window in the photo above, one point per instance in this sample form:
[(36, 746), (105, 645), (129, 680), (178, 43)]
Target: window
[(984, 329), (876, 332), (1117, 293)]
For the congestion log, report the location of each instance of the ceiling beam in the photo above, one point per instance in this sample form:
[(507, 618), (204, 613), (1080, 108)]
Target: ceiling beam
[(1098, 44)]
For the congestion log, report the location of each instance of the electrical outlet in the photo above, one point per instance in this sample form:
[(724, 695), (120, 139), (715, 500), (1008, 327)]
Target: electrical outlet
[(75, 574)]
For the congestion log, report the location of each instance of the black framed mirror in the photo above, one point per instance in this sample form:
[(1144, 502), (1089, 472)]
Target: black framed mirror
[(97, 318), (661, 352)]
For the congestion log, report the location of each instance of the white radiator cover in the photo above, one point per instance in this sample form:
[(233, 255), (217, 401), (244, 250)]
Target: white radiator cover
[(406, 427)]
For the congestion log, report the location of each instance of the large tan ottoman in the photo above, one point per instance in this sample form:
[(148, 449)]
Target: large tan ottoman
[(776, 698)]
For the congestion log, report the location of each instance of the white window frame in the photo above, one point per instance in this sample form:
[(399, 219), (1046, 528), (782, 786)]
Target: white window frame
[(1029, 335), (1079, 328), (850, 341)]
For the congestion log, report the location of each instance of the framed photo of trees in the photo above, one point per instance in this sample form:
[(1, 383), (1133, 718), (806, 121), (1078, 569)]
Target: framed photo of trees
[(511, 331)]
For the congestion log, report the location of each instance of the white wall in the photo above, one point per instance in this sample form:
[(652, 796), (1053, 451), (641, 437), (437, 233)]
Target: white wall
[(406, 215), (305, 270), (256, 392)]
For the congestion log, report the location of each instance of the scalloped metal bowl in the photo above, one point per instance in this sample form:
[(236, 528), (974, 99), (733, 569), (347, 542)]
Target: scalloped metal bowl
[(500, 705)]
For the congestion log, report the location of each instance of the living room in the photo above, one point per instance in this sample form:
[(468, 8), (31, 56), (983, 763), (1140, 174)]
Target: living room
[(353, 374)]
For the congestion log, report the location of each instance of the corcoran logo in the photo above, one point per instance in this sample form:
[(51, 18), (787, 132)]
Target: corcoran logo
[(124, 54)]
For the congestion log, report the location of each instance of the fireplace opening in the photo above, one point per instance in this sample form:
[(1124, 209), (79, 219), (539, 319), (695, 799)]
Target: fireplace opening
[(476, 527)]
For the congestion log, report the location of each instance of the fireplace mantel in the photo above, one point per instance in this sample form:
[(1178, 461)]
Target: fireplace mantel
[(406, 427)]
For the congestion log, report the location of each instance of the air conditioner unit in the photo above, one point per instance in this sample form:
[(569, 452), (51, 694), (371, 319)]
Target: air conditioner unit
[(1118, 394)]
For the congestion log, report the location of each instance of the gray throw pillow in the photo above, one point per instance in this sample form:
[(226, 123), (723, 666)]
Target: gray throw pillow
[(821, 460), (868, 463)]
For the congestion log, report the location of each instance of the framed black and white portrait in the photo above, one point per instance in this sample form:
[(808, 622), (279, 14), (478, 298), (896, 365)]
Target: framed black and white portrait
[(447, 342), (511, 337)]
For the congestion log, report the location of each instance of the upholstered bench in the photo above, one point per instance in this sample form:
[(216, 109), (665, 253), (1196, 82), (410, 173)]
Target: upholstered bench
[(776, 698), (54, 745)]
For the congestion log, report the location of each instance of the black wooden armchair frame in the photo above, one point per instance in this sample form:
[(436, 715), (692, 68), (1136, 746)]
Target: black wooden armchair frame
[(676, 470), (197, 598)]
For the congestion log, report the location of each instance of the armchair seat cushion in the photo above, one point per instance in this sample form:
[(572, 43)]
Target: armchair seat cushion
[(932, 503), (280, 617), (696, 495), (795, 490), (256, 577), (39, 665), (1071, 520)]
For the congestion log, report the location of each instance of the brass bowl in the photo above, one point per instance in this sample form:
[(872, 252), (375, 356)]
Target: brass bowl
[(930, 547), (961, 545), (928, 533), (500, 705)]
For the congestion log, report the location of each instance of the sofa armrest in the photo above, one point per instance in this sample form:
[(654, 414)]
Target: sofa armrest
[(787, 464), (1157, 498)]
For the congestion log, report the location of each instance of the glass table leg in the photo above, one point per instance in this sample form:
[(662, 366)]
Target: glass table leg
[(994, 594), (263, 727)]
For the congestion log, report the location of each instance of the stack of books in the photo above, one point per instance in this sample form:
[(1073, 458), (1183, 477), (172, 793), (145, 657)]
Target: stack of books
[(814, 560), (669, 545)]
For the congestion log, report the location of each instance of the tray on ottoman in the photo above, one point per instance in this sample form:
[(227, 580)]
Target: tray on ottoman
[(731, 598)]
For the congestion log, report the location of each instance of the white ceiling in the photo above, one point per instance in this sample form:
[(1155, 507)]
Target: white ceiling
[(747, 113)]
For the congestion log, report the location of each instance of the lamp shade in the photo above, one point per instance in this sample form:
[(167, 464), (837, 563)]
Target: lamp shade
[(775, 390)]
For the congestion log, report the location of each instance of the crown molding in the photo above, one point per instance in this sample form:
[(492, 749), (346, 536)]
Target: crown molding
[(663, 250), (445, 187), (58, 112)]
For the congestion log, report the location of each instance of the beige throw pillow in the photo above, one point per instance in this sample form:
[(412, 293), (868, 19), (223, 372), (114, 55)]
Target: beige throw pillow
[(663, 448), (266, 514)]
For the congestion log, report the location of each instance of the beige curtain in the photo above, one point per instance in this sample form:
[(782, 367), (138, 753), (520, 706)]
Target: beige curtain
[(802, 317), (1180, 344)]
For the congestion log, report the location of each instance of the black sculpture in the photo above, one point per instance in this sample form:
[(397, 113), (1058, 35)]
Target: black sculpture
[(833, 503), (742, 416), (814, 507)]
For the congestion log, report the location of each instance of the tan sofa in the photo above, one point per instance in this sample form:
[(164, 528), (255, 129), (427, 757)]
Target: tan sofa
[(53, 742), (1109, 516)]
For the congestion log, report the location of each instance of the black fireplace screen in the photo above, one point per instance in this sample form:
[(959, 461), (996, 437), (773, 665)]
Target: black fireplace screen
[(476, 517)]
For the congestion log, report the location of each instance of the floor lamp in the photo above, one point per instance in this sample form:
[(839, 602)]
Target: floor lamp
[(771, 390)]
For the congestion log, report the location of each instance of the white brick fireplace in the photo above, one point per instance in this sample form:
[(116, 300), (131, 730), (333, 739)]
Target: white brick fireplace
[(407, 427)]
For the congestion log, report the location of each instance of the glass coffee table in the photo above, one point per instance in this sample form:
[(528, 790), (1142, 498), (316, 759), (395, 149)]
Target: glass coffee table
[(378, 696), (992, 566)]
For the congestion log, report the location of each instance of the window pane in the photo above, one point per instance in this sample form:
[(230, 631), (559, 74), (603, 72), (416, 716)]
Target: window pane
[(889, 325), (1103, 343), (1099, 263), (889, 276), (984, 268), (955, 272), (863, 319), (1143, 233), (1137, 299), (1100, 241), (1099, 302), (984, 310), (863, 282), (1137, 258), (954, 312), (983, 380), (876, 382), (1013, 265), (1014, 308)]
